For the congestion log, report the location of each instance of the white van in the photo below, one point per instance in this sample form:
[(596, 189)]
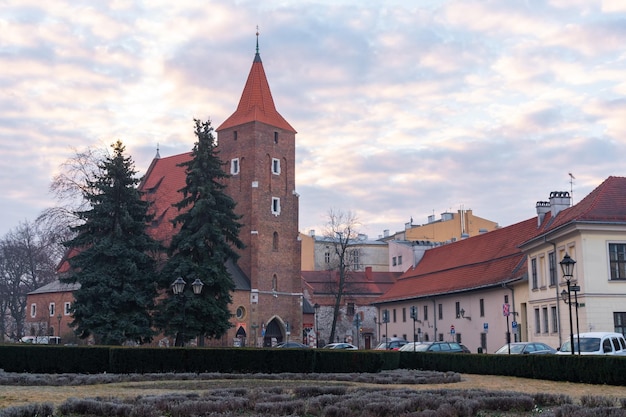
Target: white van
[(41, 340), (596, 343)]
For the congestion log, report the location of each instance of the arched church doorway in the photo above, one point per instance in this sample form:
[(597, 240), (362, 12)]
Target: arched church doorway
[(273, 333), (240, 337)]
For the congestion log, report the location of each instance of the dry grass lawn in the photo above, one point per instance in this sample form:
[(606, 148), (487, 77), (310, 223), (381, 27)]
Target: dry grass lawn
[(17, 395)]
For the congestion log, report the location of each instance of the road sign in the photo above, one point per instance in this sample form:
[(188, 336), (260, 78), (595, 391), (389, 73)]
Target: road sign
[(452, 329), (505, 310), (575, 288), (514, 325), (485, 326)]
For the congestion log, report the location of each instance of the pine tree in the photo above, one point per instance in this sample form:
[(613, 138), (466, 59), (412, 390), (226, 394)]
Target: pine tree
[(115, 258), (207, 235)]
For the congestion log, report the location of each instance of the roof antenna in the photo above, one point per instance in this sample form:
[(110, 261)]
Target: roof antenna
[(157, 156), (571, 186), (257, 39)]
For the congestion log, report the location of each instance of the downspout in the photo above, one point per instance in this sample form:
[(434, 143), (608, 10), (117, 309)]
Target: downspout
[(556, 286), (435, 319)]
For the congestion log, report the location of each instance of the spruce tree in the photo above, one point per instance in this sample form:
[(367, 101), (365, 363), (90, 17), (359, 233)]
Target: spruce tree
[(208, 232), (114, 260)]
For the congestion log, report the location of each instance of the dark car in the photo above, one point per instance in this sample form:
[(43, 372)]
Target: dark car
[(526, 348), (442, 347), (291, 345)]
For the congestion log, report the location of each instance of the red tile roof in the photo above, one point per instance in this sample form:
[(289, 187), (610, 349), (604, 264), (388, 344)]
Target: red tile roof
[(256, 103), (481, 261), (494, 257), (607, 203), (358, 283), (161, 186)]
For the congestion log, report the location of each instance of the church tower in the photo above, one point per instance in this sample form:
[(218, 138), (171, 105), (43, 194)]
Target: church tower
[(258, 146)]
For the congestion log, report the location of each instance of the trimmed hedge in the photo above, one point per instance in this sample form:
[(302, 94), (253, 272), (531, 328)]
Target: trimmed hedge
[(610, 370), (121, 360)]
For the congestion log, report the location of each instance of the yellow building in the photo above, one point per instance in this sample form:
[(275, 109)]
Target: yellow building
[(451, 227)]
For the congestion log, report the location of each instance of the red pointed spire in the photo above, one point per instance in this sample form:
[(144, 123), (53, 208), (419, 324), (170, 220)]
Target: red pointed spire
[(256, 103)]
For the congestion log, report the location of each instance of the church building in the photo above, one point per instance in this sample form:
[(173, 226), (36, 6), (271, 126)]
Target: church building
[(257, 146)]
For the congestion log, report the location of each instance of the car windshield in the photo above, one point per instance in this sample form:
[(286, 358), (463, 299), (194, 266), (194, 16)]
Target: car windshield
[(514, 349), (422, 347), (587, 344)]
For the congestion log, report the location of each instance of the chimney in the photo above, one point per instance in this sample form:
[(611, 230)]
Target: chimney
[(312, 232), (543, 207), (368, 273), (559, 200), (386, 233)]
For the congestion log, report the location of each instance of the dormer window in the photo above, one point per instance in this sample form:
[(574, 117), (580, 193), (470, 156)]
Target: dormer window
[(234, 166), (275, 166)]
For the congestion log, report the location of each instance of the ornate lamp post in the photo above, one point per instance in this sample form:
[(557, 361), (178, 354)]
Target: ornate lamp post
[(178, 288), (567, 266), (566, 298)]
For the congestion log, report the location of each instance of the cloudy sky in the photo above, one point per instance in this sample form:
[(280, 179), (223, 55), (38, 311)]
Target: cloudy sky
[(403, 109)]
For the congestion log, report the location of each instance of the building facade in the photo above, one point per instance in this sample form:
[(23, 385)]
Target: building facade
[(593, 234), (508, 281)]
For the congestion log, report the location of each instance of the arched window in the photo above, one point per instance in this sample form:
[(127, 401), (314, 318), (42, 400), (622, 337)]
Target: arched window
[(274, 283), (275, 241)]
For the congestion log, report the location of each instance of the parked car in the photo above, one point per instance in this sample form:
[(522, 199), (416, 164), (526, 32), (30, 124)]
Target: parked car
[(526, 348), (345, 346), (442, 347), (393, 343), (596, 343), (291, 345), (41, 340), (465, 349)]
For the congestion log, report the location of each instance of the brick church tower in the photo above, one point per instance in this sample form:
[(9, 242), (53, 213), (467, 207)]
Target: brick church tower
[(258, 146)]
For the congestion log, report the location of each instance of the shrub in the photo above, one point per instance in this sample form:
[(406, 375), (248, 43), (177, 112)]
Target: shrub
[(28, 410), (593, 401)]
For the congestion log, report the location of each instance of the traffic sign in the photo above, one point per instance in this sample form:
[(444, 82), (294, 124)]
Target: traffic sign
[(452, 329), (575, 288), (514, 324), (505, 310), (485, 326)]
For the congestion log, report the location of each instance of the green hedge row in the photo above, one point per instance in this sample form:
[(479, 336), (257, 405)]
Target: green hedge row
[(610, 370), (97, 359)]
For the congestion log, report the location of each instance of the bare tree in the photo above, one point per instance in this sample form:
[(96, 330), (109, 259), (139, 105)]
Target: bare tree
[(69, 186), (27, 262), (341, 232)]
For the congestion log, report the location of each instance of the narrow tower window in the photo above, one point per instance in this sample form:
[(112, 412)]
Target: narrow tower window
[(275, 241), (234, 135), (234, 166), (275, 206), (275, 137), (275, 166)]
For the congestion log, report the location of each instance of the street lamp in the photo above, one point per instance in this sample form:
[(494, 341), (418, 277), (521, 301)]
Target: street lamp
[(564, 296), (178, 288), (317, 329), (567, 266)]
